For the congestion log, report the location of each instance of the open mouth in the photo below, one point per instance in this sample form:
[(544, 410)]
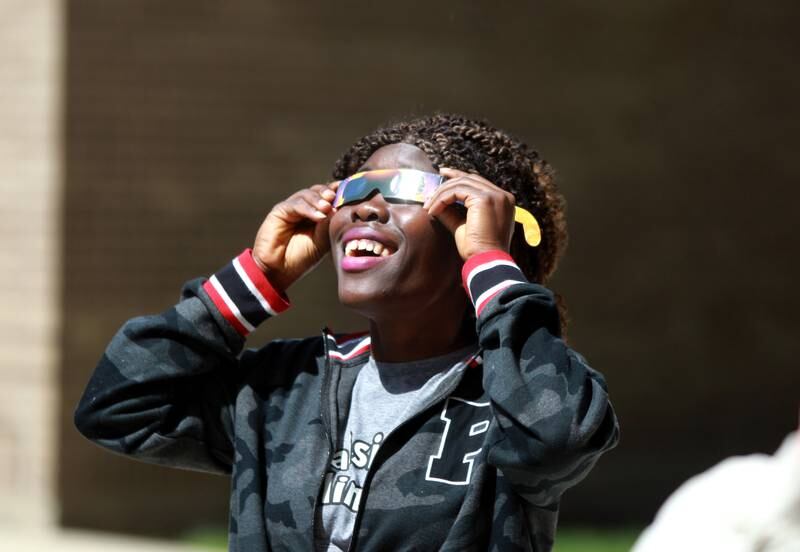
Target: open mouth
[(366, 248)]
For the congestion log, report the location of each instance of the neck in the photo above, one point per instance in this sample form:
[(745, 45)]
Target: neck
[(405, 339)]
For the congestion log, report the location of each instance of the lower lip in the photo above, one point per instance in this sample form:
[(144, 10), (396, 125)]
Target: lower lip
[(359, 264)]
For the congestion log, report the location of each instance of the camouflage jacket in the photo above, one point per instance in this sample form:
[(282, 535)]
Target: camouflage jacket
[(480, 467)]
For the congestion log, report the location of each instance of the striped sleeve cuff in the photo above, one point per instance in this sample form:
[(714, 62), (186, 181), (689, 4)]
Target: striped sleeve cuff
[(486, 274), (243, 295)]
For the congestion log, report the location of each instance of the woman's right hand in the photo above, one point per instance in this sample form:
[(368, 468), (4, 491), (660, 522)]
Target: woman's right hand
[(294, 236)]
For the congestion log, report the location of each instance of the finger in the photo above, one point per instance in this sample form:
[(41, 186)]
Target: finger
[(455, 173), (452, 173), (327, 191), (317, 199), (452, 217), (460, 182), (319, 188), (448, 194), (475, 181), (298, 208), (482, 187), (330, 193), (320, 234)]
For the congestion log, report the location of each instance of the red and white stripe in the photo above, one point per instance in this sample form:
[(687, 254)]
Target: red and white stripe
[(361, 346), (243, 295), (248, 281), (486, 274), (227, 307)]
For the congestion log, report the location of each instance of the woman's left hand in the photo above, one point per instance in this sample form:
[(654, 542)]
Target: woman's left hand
[(489, 221)]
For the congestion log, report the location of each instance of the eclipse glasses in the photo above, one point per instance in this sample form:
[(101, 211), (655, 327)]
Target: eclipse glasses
[(414, 186)]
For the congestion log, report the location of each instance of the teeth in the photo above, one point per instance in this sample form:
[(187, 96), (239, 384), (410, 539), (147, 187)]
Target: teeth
[(366, 245)]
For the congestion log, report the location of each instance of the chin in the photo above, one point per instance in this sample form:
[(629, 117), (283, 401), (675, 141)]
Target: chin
[(367, 299)]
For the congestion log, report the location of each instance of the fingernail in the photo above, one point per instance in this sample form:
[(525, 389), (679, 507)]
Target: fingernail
[(322, 203)]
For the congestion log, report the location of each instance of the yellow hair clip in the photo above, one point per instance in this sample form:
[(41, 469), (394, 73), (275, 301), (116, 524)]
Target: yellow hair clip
[(533, 235)]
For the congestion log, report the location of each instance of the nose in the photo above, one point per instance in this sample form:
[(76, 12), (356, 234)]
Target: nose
[(373, 209)]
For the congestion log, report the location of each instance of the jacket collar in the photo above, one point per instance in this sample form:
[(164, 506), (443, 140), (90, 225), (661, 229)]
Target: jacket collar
[(346, 347)]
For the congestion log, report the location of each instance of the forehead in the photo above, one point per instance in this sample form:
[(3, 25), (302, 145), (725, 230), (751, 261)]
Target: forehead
[(398, 156)]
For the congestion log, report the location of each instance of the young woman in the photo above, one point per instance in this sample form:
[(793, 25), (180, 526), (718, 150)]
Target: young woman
[(455, 423)]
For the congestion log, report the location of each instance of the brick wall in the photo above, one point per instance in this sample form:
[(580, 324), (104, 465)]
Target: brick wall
[(30, 190)]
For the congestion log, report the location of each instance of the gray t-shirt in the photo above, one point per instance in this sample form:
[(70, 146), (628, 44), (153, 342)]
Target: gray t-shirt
[(385, 395)]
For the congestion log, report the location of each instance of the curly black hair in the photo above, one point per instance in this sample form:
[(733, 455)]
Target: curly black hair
[(455, 141)]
